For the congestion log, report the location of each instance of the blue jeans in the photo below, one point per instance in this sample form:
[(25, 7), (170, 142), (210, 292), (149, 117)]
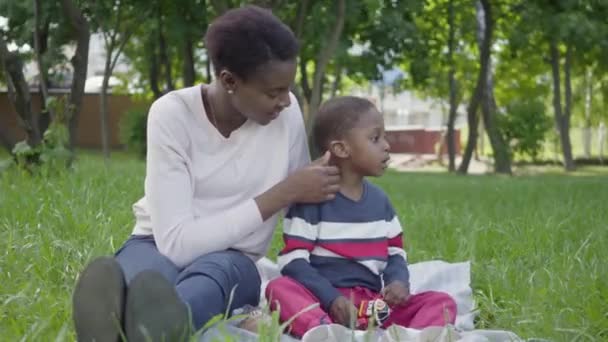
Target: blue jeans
[(204, 285)]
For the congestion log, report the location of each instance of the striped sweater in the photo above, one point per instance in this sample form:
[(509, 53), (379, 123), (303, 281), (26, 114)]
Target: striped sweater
[(344, 243)]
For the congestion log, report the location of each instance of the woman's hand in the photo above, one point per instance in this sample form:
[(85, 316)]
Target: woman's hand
[(317, 182)]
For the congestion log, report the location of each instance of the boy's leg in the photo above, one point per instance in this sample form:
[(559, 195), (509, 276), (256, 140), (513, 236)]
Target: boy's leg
[(291, 298), (424, 310), (206, 285)]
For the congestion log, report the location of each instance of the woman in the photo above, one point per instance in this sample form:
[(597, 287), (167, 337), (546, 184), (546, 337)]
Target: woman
[(223, 160)]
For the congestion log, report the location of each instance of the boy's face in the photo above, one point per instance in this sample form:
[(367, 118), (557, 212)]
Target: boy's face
[(368, 149)]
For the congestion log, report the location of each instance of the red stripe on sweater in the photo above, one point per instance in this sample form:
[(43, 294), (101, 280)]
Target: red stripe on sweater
[(359, 250), (291, 244), (397, 241)]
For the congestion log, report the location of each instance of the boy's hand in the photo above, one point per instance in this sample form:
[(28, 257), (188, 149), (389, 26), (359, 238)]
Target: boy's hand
[(343, 311), (396, 293)]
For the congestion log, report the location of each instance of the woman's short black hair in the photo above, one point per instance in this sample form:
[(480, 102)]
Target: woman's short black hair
[(242, 39), (336, 117)]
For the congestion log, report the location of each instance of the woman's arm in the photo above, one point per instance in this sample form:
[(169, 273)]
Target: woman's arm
[(169, 194)]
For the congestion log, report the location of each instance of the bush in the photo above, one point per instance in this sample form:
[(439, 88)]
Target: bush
[(133, 125), (525, 126), (52, 153)]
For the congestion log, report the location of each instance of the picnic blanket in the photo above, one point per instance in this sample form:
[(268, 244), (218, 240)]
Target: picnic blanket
[(437, 275)]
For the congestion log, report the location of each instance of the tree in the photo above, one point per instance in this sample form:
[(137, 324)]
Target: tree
[(484, 23), (19, 93), (81, 34), (502, 159), (567, 31), (380, 29), (117, 20), (440, 63), (155, 63)]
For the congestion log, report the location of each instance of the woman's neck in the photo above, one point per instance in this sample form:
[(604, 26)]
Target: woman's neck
[(223, 112)]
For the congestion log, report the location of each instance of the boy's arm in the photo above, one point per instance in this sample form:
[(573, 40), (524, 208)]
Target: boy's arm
[(396, 267), (300, 234)]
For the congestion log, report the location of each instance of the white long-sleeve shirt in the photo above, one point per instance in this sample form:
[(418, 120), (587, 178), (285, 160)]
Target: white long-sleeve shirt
[(200, 186)]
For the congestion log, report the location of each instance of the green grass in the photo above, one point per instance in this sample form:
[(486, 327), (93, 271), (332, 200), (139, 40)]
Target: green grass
[(537, 243)]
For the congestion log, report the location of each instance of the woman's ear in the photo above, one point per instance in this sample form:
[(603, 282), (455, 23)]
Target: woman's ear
[(228, 80), (339, 148)]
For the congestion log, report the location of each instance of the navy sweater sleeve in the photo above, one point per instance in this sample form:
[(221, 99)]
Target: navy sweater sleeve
[(305, 274), (396, 267), (300, 232)]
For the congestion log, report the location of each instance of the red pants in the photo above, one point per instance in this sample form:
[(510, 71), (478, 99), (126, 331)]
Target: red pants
[(420, 311)]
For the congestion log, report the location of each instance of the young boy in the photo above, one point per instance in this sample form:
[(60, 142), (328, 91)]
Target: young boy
[(349, 251)]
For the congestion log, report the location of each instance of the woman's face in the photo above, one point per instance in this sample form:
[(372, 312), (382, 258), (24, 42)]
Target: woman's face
[(265, 93)]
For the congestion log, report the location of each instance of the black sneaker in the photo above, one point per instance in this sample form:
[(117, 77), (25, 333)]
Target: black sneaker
[(98, 301), (154, 312)]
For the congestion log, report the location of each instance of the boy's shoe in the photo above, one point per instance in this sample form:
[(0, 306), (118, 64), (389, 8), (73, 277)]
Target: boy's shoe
[(154, 312), (98, 301)]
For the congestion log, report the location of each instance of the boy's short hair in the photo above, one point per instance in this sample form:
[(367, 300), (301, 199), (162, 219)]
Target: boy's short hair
[(336, 117), (242, 39)]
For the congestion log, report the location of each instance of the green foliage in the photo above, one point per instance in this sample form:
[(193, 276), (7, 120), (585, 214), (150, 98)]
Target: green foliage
[(525, 127), (133, 125), (52, 154)]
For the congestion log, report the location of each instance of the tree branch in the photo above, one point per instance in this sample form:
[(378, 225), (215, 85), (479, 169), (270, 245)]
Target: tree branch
[(323, 58), (81, 33)]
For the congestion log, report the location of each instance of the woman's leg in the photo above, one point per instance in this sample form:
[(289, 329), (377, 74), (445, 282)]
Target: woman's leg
[(98, 301), (153, 310), (99, 298), (206, 285)]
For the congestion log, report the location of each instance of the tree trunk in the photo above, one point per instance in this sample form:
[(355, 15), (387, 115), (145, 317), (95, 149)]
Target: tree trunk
[(19, 93), (337, 81), (560, 122), (565, 125), (188, 72), (478, 93), (103, 100), (322, 60), (307, 92), (601, 140), (587, 127), (6, 139), (450, 136), (208, 70), (42, 70), (164, 55), (81, 32), (502, 159), (153, 69)]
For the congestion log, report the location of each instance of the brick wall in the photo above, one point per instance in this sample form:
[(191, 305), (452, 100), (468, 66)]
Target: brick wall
[(418, 140), (89, 125)]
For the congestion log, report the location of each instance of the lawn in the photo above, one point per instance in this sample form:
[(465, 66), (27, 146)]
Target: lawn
[(537, 243)]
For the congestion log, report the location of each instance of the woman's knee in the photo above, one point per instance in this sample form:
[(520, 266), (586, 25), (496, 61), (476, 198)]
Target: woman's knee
[(228, 269), (139, 253)]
